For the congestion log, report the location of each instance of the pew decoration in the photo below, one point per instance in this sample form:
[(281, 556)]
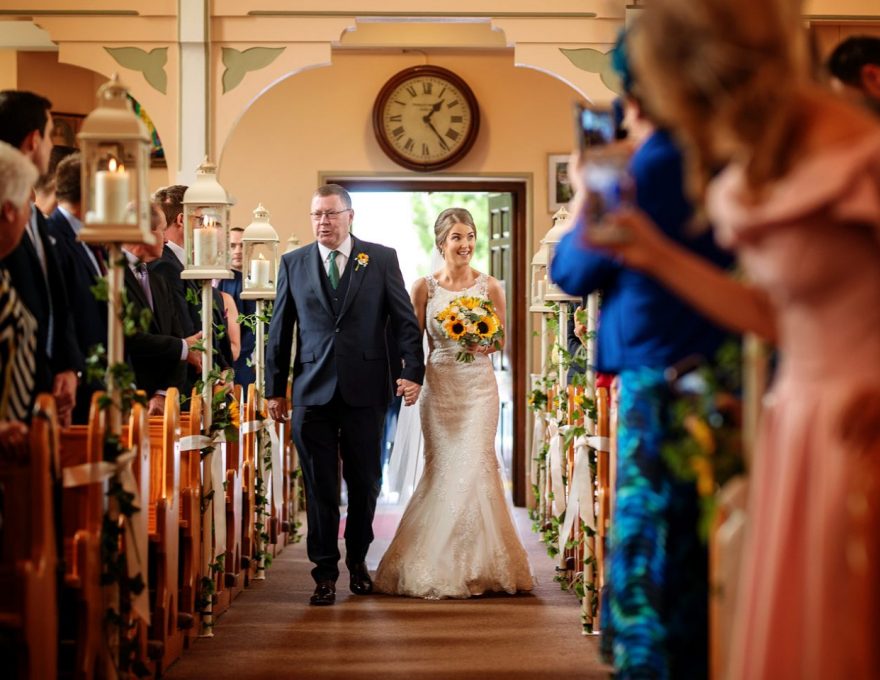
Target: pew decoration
[(570, 443), (573, 454)]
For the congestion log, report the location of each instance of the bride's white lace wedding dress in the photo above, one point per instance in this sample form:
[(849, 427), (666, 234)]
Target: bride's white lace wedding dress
[(456, 538)]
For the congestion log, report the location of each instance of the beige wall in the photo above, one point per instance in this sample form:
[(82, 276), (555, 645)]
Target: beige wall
[(70, 88), (320, 120)]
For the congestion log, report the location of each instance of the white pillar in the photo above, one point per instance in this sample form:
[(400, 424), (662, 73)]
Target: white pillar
[(195, 88)]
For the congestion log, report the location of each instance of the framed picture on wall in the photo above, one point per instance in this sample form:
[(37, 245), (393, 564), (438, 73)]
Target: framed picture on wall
[(558, 186), (66, 127)]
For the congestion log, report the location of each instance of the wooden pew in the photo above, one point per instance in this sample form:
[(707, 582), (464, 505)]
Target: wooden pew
[(190, 523), (235, 572), (164, 528), (82, 606), (28, 555), (249, 452)]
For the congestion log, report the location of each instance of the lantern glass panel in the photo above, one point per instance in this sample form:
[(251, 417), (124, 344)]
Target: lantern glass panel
[(206, 247), (259, 266)]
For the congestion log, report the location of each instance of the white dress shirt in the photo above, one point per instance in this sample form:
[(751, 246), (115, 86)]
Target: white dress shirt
[(343, 253)]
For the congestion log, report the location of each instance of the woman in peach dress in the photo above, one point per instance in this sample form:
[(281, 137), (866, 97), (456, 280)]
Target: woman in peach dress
[(799, 201)]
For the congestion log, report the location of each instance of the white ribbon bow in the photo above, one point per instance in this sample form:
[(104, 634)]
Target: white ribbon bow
[(580, 497), (555, 456)]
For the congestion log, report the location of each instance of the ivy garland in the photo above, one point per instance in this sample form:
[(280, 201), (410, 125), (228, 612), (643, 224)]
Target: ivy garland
[(120, 628)]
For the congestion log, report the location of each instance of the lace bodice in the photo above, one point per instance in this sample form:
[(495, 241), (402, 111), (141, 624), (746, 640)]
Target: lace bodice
[(438, 298)]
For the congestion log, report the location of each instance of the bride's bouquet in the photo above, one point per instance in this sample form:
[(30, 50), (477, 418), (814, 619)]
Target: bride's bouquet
[(471, 321)]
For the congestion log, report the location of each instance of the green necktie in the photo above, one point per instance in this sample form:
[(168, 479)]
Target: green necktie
[(333, 272)]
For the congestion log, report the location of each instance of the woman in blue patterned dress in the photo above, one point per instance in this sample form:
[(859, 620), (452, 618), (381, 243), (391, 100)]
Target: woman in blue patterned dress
[(655, 607)]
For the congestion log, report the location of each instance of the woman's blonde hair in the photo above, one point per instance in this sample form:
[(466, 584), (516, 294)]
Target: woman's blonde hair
[(720, 74), (448, 219)]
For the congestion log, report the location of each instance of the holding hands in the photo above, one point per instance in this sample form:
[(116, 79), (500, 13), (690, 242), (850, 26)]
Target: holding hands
[(408, 390)]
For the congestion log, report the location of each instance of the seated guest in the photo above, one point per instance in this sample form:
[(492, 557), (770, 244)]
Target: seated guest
[(159, 354), (81, 266), (17, 325)]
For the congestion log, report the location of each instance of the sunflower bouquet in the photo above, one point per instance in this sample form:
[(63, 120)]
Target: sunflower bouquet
[(471, 321)]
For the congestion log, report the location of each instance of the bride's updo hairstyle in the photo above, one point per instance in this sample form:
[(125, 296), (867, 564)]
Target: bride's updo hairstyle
[(721, 75), (448, 219)]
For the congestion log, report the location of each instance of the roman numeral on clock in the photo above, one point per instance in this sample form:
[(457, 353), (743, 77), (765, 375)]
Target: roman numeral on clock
[(427, 87), (452, 134), (396, 119), (411, 90), (398, 132), (456, 119), (409, 144), (425, 150)]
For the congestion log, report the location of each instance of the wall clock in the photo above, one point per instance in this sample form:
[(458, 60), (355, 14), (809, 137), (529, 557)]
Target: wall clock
[(426, 118)]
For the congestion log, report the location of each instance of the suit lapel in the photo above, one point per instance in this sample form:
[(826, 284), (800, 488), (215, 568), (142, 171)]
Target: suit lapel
[(356, 276), (315, 270)]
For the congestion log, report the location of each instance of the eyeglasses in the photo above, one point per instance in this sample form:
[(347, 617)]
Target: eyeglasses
[(329, 214)]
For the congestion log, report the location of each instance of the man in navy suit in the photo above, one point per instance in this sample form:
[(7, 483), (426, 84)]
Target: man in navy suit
[(26, 124), (157, 355), (339, 294), (81, 267)]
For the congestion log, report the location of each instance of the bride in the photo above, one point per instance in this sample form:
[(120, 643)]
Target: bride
[(456, 537)]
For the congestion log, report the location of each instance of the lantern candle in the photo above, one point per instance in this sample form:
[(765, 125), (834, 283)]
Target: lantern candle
[(205, 243), (111, 193), (259, 274)]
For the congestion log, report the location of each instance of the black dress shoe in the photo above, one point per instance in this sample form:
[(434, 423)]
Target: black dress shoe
[(325, 594), (361, 583)]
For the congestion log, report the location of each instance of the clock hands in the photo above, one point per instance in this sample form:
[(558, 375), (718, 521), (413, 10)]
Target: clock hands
[(427, 119), (439, 136)]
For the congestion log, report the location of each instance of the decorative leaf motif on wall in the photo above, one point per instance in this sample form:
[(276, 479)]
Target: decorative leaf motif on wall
[(238, 64), (594, 61), (151, 64)]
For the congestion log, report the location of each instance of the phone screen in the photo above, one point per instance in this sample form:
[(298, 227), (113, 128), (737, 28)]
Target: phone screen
[(594, 126)]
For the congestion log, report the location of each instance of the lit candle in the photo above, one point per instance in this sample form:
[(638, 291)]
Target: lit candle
[(259, 275), (205, 243), (111, 193)]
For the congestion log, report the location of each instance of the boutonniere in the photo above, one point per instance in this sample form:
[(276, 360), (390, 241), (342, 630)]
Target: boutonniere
[(362, 261)]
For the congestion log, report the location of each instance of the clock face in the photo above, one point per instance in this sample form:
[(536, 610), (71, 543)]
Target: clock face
[(426, 118)]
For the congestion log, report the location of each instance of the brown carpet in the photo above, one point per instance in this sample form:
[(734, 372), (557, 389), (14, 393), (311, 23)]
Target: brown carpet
[(271, 632)]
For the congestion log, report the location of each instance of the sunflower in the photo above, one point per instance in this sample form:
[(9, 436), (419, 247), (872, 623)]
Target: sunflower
[(234, 415), (488, 326), (469, 302), (454, 328)]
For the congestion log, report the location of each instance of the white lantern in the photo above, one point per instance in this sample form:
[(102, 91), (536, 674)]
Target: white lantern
[(539, 281), (115, 162), (292, 244), (561, 225), (259, 258), (206, 227)]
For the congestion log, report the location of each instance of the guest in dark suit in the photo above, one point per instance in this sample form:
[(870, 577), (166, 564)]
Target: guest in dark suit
[(26, 123), (243, 365), (81, 267), (171, 264), (339, 293), (158, 356)]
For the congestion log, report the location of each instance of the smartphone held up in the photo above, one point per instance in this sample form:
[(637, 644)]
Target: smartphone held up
[(605, 176)]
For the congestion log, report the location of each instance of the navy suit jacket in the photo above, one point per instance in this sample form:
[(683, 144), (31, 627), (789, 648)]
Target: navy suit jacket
[(348, 351), (26, 274), (90, 320), (79, 275), (155, 354)]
